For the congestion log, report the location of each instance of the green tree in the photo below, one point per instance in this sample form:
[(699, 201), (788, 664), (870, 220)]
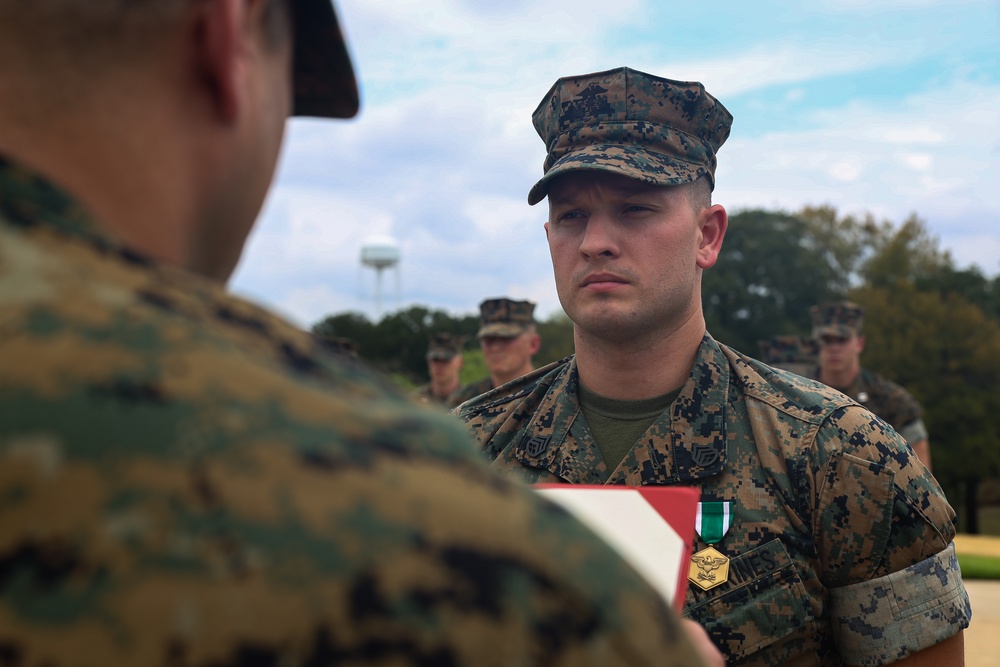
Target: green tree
[(557, 339), (772, 268), (397, 345), (946, 352), (907, 253), (844, 243)]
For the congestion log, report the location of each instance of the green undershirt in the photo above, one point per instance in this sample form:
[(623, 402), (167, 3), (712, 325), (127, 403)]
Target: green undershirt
[(617, 424)]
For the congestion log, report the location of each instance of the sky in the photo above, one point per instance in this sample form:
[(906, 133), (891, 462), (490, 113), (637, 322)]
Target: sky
[(884, 106)]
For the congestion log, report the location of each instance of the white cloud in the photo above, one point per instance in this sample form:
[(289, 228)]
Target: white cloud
[(852, 162), (444, 152), (777, 63), (882, 5), (847, 170)]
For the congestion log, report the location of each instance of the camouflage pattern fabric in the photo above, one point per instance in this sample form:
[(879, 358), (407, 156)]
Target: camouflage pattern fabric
[(187, 480), (505, 317), (466, 392), (443, 345), (837, 318), (796, 354), (830, 508), (646, 127), (890, 402), (425, 394)]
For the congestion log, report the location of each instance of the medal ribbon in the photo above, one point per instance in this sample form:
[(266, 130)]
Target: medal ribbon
[(713, 520)]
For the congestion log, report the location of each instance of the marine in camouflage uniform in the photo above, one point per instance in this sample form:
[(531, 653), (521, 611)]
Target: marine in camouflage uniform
[(508, 339), (839, 545), (444, 363), (796, 354), (837, 328), (188, 480), (468, 391)]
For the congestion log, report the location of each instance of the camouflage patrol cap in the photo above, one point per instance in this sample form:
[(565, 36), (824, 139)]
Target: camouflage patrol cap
[(788, 349), (627, 122), (837, 318), (443, 345), (504, 317), (323, 77)]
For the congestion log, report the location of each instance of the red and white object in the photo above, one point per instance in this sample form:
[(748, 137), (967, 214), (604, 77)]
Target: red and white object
[(652, 527)]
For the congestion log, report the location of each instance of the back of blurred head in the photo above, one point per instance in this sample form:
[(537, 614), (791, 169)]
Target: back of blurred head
[(165, 117)]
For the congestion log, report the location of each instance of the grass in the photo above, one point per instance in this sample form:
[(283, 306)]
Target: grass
[(979, 567)]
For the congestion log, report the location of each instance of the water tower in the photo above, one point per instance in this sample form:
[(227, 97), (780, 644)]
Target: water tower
[(381, 252)]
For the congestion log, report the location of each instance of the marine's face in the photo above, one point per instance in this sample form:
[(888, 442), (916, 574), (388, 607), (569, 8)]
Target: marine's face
[(443, 371), (507, 355), (625, 254), (840, 353)]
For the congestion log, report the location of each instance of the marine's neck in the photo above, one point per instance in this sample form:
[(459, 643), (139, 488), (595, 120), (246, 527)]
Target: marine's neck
[(122, 163), (639, 369), (840, 378), (444, 388)]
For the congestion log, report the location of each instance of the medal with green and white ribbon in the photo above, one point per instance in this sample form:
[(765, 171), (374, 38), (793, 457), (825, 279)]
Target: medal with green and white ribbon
[(710, 567)]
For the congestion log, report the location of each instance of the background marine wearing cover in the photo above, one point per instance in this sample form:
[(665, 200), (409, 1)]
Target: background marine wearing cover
[(508, 339), (444, 363), (837, 332)]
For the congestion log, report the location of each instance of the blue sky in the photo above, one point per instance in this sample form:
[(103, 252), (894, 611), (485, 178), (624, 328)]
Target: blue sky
[(889, 107)]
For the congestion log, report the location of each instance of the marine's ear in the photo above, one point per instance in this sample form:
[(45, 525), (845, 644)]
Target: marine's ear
[(221, 33), (713, 222)]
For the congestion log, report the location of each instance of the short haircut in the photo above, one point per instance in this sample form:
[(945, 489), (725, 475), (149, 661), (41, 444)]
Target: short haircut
[(699, 193), (66, 42)]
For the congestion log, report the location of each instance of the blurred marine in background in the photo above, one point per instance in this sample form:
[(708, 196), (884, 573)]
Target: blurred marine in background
[(185, 478), (444, 363), (837, 331), (509, 339)]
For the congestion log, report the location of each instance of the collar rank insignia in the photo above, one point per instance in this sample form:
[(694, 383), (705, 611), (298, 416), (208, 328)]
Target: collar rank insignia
[(537, 445)]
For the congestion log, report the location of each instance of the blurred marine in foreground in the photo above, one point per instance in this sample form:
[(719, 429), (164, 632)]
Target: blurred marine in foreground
[(186, 479)]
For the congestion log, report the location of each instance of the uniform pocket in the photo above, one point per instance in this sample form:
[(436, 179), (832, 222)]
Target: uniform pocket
[(762, 602)]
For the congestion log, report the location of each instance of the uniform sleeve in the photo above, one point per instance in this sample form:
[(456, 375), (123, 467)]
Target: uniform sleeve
[(888, 618), (884, 532), (914, 432)]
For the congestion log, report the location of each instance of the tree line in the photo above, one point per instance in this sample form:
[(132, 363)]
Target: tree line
[(930, 326)]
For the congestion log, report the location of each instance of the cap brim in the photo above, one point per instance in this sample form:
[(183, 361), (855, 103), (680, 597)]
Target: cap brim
[(629, 161), (324, 81), (839, 330), (501, 330)]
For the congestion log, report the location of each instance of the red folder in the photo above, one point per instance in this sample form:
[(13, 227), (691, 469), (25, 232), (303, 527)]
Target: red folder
[(651, 526)]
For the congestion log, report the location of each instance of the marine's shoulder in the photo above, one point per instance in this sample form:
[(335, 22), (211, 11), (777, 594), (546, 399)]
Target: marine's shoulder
[(797, 396), (469, 391), (120, 318), (879, 384), (508, 395)]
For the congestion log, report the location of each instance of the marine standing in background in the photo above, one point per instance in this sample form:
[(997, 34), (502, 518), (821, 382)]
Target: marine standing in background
[(444, 363), (185, 478), (796, 354), (822, 540), (509, 339), (837, 330)]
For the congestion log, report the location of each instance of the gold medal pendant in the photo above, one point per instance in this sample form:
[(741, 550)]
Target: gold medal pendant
[(709, 568)]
